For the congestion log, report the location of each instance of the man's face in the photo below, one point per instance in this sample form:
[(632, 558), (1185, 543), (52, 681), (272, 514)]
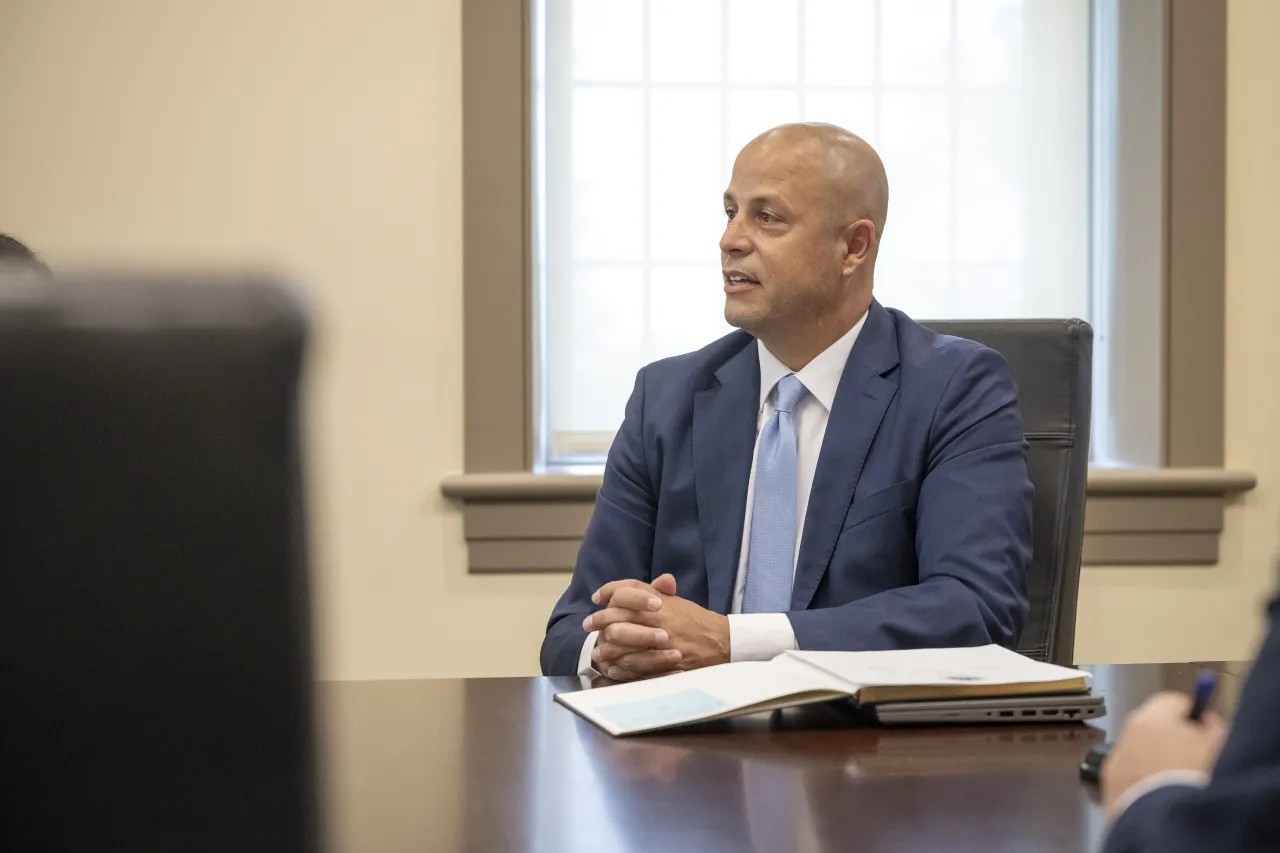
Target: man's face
[(780, 254)]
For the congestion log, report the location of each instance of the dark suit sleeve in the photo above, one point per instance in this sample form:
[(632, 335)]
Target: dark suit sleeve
[(973, 531), (618, 543), (1239, 811)]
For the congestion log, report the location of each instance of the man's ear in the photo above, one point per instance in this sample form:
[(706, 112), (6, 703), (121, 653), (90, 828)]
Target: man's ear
[(860, 244)]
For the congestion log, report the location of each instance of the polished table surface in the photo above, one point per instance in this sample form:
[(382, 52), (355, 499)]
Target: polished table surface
[(495, 765)]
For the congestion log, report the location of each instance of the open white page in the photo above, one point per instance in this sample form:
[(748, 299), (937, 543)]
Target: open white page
[(701, 694), (977, 665)]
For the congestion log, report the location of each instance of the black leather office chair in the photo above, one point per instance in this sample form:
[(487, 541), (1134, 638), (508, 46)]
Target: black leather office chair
[(156, 684), (1052, 361)]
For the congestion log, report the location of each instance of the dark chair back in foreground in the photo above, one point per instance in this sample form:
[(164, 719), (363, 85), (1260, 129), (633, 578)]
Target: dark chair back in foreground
[(1052, 361), (156, 691)]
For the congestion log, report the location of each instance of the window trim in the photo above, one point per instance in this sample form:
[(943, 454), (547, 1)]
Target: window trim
[(517, 520)]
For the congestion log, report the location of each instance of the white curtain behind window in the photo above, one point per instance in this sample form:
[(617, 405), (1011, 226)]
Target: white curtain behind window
[(979, 108)]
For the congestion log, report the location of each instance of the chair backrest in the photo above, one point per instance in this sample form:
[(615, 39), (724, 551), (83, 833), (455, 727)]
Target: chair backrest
[(156, 685), (1052, 361)]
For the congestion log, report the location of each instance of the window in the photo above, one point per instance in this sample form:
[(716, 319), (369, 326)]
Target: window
[(980, 110), (1145, 264)]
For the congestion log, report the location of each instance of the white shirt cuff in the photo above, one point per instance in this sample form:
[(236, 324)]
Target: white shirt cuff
[(1138, 790), (759, 636), (586, 669)]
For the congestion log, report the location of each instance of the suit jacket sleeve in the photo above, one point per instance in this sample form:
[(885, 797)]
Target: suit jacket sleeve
[(1239, 811), (973, 531), (618, 543)]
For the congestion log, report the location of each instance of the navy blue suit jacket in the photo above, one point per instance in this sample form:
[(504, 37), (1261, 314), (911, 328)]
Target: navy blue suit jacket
[(1239, 812), (918, 532)]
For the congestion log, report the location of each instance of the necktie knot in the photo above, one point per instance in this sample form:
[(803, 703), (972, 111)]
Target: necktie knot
[(790, 392)]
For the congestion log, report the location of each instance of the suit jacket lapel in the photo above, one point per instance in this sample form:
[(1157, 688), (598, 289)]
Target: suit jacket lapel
[(724, 438), (861, 400)]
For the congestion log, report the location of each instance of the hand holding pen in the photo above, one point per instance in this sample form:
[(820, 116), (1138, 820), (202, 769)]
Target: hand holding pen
[(1172, 739)]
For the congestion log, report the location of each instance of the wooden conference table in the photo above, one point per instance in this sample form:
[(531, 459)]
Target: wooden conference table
[(495, 765)]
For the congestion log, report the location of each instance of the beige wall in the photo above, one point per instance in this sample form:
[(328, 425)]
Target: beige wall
[(322, 136), (1180, 613)]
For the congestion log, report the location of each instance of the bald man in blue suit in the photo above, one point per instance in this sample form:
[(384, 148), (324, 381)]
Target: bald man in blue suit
[(831, 476)]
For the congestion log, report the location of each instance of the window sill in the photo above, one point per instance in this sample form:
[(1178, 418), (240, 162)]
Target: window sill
[(525, 522)]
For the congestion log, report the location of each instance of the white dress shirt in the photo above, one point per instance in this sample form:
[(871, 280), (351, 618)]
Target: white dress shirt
[(762, 636), (1156, 781)]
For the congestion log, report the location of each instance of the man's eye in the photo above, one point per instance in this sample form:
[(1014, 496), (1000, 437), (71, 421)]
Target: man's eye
[(729, 213), (767, 217)]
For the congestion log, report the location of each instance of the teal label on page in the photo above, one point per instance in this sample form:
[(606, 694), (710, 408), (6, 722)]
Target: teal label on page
[(685, 706)]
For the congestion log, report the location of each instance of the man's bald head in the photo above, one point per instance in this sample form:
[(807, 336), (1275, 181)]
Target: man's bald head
[(851, 170), (805, 208)]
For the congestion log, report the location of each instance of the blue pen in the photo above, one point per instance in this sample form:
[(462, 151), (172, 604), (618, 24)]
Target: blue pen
[(1202, 695)]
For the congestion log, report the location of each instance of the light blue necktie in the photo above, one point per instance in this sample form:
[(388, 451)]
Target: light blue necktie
[(771, 553)]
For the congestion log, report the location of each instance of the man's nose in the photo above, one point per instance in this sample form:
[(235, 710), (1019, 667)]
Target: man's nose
[(733, 241)]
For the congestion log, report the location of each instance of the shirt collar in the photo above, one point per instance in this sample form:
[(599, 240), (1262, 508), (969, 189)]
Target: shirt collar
[(821, 376)]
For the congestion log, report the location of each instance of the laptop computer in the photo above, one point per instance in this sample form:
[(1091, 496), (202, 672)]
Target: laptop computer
[(1056, 708)]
